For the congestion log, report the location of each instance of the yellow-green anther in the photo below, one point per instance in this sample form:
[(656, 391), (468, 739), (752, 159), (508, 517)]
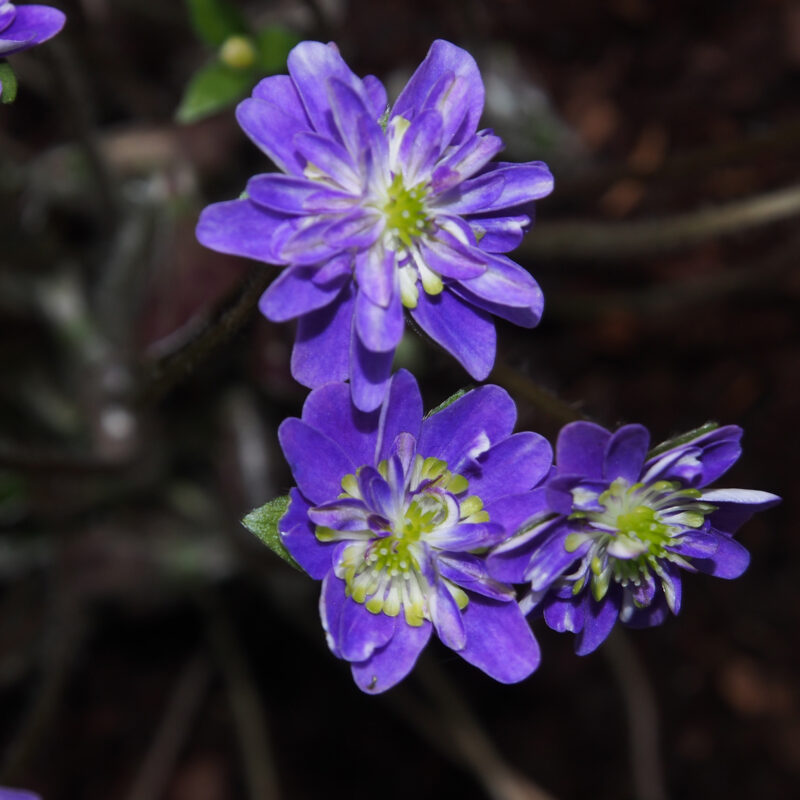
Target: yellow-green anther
[(578, 585), (574, 541), (471, 505), (457, 484), (433, 468), (350, 485), (459, 595), (597, 565), (600, 584), (237, 52)]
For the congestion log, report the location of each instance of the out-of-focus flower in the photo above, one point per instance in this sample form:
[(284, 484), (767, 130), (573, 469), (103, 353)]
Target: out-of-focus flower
[(394, 512), (379, 210), (22, 27), (17, 794), (627, 523)]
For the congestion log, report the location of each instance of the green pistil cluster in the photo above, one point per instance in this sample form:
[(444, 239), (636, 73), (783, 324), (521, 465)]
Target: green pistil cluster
[(406, 215), (632, 524), (383, 573)]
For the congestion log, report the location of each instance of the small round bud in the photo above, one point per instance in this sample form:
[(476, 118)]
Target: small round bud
[(238, 52)]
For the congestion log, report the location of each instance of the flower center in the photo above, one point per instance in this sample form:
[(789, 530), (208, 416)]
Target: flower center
[(633, 531), (405, 211), (385, 565)]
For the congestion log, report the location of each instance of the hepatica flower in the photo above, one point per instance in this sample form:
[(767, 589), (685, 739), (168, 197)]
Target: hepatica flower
[(17, 794), (23, 27), (394, 513), (378, 210), (628, 522)]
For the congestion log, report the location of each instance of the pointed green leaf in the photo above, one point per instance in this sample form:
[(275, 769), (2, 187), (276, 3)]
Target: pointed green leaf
[(8, 80), (215, 20), (273, 45), (684, 438), (263, 522), (450, 400), (211, 89)]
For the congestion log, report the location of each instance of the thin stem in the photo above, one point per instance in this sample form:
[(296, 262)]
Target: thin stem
[(604, 241), (642, 713)]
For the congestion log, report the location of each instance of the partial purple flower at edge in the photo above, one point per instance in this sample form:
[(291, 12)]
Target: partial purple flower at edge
[(379, 211), (394, 512), (23, 27), (626, 525), (17, 794)]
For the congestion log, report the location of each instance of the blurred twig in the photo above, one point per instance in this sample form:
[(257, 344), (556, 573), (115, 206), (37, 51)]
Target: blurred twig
[(604, 241), (642, 713), (184, 702), (163, 374), (247, 705)]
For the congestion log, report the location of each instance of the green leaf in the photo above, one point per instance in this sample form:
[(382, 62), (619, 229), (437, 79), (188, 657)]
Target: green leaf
[(450, 400), (215, 20), (211, 89), (273, 45), (9, 81), (684, 438), (263, 522)]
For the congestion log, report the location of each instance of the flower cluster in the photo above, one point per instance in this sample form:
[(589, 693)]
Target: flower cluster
[(394, 514), (378, 210), (22, 27), (627, 521), (419, 525)]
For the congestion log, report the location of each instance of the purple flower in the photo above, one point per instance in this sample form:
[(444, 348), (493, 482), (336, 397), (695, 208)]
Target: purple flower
[(381, 210), (627, 522), (393, 513), (23, 27), (17, 794)]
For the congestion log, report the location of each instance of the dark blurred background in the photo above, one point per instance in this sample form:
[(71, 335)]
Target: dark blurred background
[(150, 647)]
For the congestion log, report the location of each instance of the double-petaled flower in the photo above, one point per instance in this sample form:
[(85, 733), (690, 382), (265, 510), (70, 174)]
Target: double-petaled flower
[(627, 521), (380, 210), (394, 513)]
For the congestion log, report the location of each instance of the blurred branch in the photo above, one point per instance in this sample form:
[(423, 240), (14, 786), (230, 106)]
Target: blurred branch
[(466, 741), (68, 630), (247, 707), (165, 373), (603, 241), (642, 713), (184, 702)]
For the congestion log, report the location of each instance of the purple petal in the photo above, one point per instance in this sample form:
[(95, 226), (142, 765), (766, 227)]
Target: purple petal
[(272, 128), (564, 615), (442, 58), (649, 617), (736, 506), (329, 410), (369, 374), (551, 559), (376, 274), (515, 510), (465, 161), (379, 329), (391, 663), (242, 228), (421, 146), (17, 794), (452, 259), (499, 234), (467, 536), (355, 230), (514, 465), (599, 619), (331, 603), (625, 453), (501, 186), (309, 242), (345, 514), (581, 448), (446, 616), (321, 349), (292, 195), (464, 331), (294, 293), (329, 157), (401, 413), (7, 13), (499, 640), (297, 533), (506, 290), (311, 66), (281, 91), (348, 107), (470, 572), (729, 561), (468, 427), (376, 94), (360, 633), (317, 462), (32, 25), (694, 544)]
